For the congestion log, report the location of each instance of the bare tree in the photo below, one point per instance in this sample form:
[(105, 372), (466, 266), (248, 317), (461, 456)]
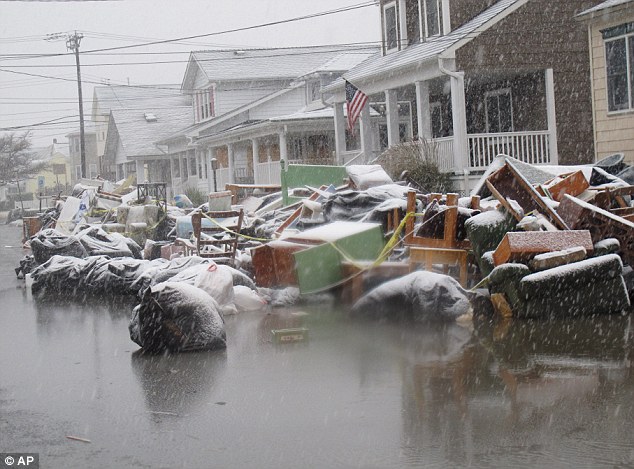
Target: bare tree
[(17, 162)]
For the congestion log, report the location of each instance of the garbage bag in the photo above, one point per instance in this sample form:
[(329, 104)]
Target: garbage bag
[(99, 243), (115, 275), (177, 317), (354, 205), (246, 299), (420, 297), (164, 270), (60, 275), (217, 283), (50, 242)]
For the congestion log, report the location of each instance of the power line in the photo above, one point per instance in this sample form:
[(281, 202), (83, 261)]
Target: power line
[(228, 31)]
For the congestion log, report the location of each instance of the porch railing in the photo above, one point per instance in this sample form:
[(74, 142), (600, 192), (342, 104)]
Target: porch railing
[(268, 173), (529, 147), (444, 150)]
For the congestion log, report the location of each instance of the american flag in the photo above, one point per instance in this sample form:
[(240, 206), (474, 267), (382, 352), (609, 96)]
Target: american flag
[(355, 100)]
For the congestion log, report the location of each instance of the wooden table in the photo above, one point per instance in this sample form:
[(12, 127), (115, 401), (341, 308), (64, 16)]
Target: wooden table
[(443, 256)]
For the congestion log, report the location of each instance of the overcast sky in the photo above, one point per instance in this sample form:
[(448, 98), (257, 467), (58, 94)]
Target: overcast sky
[(24, 25)]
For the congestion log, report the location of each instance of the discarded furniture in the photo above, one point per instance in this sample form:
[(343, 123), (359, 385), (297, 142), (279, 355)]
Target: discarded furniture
[(155, 190), (446, 221), (507, 183), (442, 244), (602, 224), (312, 259), (616, 201), (30, 226), (572, 184), (239, 191), (590, 286), (523, 245), (363, 274), (220, 240), (302, 175), (443, 256), (274, 263), (485, 231)]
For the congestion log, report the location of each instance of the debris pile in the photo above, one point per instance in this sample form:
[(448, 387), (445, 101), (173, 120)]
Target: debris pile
[(544, 241)]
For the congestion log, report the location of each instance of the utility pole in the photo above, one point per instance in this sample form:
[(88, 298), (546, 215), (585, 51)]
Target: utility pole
[(72, 43)]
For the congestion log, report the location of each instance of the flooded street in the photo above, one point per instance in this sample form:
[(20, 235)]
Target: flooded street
[(356, 394)]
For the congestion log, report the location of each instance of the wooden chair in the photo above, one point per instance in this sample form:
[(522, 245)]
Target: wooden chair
[(219, 240), (445, 250)]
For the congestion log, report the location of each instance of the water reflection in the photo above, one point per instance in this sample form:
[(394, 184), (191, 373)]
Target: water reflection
[(522, 391), (178, 384)]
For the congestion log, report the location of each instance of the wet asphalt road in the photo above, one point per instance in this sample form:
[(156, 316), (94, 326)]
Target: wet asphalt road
[(523, 394)]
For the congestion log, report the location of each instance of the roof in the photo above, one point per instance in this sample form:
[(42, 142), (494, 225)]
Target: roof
[(263, 64), (604, 6), (138, 135), (344, 61), (129, 97), (49, 152), (432, 48)]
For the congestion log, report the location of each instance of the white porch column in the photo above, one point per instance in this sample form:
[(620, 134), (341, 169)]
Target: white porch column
[(446, 17), (340, 132), (210, 186), (402, 27), (255, 149), (458, 110), (551, 116), (365, 130), (140, 172), (391, 108), (171, 184), (283, 147), (423, 111), (180, 171), (230, 157)]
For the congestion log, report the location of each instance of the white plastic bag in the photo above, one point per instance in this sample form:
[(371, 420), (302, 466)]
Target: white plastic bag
[(246, 299), (218, 283)]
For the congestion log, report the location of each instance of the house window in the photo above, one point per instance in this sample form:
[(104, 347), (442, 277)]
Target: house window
[(312, 91), (413, 20), (619, 61), (436, 120), (93, 170), (432, 17), (204, 104), (498, 106), (78, 172), (390, 27)]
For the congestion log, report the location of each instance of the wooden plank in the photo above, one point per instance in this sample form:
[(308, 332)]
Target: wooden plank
[(601, 224), (508, 183), (523, 245), (573, 184)]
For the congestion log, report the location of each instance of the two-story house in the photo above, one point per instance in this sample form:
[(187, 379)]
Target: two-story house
[(611, 35), (478, 78), (252, 108), (93, 163)]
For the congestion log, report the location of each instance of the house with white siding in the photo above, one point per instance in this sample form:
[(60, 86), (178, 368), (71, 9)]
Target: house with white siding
[(131, 141), (252, 108), (611, 36), (477, 78), (111, 97)]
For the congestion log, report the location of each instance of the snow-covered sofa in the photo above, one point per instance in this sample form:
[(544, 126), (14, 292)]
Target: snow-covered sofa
[(590, 286)]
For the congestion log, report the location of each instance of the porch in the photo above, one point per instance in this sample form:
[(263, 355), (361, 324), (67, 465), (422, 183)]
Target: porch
[(469, 117)]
